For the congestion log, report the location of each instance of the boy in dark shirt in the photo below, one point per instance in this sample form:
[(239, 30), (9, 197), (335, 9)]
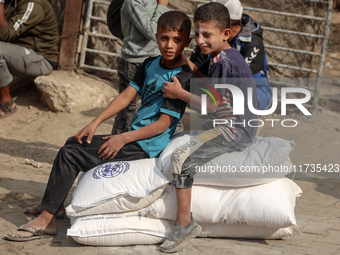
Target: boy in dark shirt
[(246, 37), (211, 34)]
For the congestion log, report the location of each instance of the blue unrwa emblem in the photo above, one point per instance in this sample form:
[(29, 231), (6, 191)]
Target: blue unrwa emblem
[(110, 170)]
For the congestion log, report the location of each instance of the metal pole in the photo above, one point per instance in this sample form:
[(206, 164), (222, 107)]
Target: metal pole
[(284, 14), (86, 28), (292, 50), (291, 32), (323, 56)]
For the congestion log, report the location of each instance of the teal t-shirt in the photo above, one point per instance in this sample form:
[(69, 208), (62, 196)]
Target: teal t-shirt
[(148, 82)]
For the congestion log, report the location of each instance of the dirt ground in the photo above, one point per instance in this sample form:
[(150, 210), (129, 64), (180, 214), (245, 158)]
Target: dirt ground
[(35, 133)]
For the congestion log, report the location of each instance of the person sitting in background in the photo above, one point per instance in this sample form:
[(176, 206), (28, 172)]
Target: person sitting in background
[(28, 44), (246, 37)]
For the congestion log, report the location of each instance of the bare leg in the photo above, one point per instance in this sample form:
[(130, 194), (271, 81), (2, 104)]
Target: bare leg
[(183, 196), (38, 209), (5, 96), (7, 106)]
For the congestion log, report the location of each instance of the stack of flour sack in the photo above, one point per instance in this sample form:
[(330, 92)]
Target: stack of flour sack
[(238, 195)]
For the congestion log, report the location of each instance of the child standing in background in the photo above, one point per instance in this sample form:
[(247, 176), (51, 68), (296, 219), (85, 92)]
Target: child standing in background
[(139, 25)]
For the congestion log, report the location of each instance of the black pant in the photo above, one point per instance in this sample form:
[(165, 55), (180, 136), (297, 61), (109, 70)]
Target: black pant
[(123, 119), (73, 158)]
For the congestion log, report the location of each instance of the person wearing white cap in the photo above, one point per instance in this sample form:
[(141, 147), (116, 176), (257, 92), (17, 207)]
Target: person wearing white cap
[(246, 37)]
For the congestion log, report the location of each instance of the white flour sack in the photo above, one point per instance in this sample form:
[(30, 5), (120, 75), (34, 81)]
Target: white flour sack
[(117, 187), (243, 231), (265, 160), (268, 205), (118, 229)]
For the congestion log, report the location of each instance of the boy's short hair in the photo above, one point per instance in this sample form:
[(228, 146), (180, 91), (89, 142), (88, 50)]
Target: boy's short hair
[(213, 12), (175, 20), (235, 22)]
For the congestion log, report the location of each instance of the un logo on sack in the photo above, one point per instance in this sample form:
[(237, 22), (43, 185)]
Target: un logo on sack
[(111, 170)]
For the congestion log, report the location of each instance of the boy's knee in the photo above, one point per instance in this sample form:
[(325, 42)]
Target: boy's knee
[(183, 180), (71, 140), (179, 156)]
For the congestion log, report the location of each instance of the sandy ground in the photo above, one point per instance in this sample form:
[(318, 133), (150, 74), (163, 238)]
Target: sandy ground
[(36, 133)]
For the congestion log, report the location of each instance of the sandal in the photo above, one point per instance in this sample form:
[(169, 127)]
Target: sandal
[(36, 234), (7, 109)]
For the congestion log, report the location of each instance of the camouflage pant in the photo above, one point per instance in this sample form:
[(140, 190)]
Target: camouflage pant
[(198, 151), (126, 72)]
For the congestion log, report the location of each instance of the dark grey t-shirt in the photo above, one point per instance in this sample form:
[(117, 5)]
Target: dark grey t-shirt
[(229, 67)]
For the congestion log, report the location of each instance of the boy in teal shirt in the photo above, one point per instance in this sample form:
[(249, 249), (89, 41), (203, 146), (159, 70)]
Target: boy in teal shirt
[(152, 127)]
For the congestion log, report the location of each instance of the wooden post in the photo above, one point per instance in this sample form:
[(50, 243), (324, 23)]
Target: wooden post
[(70, 34)]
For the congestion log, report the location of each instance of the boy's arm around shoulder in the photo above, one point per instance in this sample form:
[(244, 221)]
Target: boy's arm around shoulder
[(196, 71), (175, 90)]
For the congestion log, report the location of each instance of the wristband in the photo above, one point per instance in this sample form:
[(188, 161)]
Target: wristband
[(2, 1)]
